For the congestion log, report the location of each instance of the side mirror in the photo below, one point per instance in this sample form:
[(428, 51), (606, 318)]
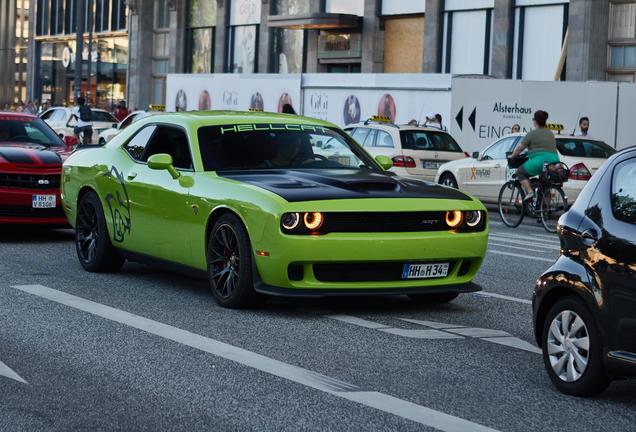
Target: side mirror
[(475, 155), (115, 125), (163, 161), (385, 162)]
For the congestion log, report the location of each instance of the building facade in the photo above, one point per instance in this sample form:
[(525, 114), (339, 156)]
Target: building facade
[(131, 45), (14, 41)]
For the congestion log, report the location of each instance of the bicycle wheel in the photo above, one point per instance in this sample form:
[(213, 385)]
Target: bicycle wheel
[(510, 203), (552, 206)]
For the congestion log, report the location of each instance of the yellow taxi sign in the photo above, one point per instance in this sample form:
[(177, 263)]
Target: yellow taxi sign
[(254, 109), (380, 119), (554, 127), (156, 108)]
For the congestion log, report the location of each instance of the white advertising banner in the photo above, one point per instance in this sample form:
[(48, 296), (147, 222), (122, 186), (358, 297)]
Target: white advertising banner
[(626, 127), (245, 12), (269, 92), (485, 109), (349, 98)]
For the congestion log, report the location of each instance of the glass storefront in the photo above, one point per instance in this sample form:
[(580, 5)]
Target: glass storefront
[(287, 48), (201, 24), (57, 66)]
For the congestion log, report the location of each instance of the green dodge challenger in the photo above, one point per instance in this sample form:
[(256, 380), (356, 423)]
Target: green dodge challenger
[(262, 203)]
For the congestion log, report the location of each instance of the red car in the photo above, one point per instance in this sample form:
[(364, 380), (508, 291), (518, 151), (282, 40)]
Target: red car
[(31, 157)]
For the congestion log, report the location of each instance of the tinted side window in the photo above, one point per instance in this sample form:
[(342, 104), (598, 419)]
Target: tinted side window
[(583, 148), (499, 149), (624, 191), (172, 141), (384, 139), (137, 144), (360, 134), (47, 115)]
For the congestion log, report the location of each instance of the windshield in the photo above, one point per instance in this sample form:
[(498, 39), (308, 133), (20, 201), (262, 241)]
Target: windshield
[(25, 129), (279, 146), (103, 116), (426, 140), (584, 148)]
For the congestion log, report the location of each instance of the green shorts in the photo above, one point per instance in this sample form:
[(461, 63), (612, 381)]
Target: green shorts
[(534, 165)]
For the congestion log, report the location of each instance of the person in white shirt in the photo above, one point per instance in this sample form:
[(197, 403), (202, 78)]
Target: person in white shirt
[(432, 122), (84, 116), (584, 127)]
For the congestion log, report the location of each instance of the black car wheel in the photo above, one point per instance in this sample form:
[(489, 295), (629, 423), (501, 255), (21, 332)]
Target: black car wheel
[(433, 298), (230, 264), (572, 349), (447, 179), (92, 243)]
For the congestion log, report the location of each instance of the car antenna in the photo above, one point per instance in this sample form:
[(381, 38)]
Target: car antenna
[(578, 117)]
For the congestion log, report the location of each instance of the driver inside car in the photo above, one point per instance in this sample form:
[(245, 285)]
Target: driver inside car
[(290, 152)]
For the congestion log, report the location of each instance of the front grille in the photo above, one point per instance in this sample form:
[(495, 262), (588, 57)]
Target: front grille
[(363, 272), (17, 211), (384, 222), (30, 181)]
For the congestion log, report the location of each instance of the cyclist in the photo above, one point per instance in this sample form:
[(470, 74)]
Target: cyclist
[(542, 149), (84, 124)]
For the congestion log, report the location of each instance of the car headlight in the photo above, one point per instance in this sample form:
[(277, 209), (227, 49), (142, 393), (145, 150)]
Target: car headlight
[(290, 221), (473, 218), (454, 218), (313, 220)]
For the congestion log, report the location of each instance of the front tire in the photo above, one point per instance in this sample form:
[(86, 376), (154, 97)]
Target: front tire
[(230, 264), (433, 298), (572, 349), (511, 204), (92, 242), (447, 179)]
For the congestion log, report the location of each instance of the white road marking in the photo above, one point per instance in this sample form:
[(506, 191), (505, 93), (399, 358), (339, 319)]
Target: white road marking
[(502, 297), (10, 373), (358, 321), (516, 255), (420, 334), (509, 246), (539, 243), (380, 401), (431, 324), (554, 239), (477, 332), (514, 343)]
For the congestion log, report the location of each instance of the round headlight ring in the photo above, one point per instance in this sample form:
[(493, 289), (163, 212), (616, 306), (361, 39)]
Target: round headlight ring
[(473, 218), (454, 218), (313, 220), (290, 221)]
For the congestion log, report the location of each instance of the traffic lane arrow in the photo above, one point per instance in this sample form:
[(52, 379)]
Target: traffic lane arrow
[(10, 373)]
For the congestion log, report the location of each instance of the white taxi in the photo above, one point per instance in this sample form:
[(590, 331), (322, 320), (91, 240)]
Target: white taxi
[(417, 152), (62, 120), (106, 135), (484, 174)]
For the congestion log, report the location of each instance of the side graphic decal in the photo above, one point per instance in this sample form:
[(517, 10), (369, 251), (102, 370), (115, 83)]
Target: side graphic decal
[(119, 206)]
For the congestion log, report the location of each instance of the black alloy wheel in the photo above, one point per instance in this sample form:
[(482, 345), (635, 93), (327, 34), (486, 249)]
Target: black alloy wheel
[(230, 264)]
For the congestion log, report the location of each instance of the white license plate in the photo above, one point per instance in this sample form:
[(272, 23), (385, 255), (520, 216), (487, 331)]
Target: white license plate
[(43, 201), (431, 164), (425, 271)]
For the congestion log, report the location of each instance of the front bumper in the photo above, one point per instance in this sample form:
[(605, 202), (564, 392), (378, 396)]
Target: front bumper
[(465, 252), (16, 207)]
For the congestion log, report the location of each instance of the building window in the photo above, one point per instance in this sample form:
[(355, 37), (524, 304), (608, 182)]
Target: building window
[(467, 38), (162, 15), (623, 57), (200, 34), (287, 51), (245, 16), (118, 15), (70, 16)]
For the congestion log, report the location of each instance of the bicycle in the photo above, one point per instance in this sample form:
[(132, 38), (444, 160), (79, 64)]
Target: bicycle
[(549, 201)]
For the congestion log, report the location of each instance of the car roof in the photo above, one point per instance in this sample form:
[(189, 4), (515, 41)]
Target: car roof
[(557, 136), (16, 114), (389, 126), (228, 117)]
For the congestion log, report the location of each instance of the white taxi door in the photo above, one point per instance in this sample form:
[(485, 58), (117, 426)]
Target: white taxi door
[(488, 173)]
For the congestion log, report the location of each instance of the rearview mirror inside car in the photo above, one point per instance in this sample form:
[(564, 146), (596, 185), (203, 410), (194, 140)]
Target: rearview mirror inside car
[(163, 161), (384, 161)]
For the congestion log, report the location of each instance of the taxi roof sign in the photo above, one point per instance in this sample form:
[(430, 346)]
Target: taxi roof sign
[(380, 119), (156, 108), (554, 127), (254, 109)]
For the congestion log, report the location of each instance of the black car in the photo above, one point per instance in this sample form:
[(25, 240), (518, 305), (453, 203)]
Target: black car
[(584, 306)]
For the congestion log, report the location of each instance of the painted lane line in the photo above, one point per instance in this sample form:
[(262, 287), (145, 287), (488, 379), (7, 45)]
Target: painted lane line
[(476, 332), (420, 334), (502, 297), (514, 342), (383, 402), (516, 255), (541, 244), (548, 238), (431, 324), (6, 371), (492, 243), (358, 321)]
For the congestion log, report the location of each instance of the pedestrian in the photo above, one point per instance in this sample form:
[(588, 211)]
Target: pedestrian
[(7, 107), (584, 127), (121, 111), (20, 107), (30, 108), (515, 128), (413, 122), (438, 117), (84, 125), (432, 122)]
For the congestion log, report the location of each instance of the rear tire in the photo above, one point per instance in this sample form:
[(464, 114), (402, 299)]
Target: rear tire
[(447, 179), (511, 204), (553, 206), (230, 264), (433, 298), (92, 241), (570, 377)]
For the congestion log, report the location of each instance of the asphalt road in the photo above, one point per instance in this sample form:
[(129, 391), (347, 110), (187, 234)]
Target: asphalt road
[(149, 350)]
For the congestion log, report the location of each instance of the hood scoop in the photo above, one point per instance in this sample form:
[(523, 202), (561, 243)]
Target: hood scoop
[(373, 185)]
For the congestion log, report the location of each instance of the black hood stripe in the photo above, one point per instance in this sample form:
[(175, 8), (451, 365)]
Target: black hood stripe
[(23, 156), (313, 185)]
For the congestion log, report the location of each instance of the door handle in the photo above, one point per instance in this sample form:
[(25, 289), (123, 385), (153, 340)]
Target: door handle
[(131, 176)]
